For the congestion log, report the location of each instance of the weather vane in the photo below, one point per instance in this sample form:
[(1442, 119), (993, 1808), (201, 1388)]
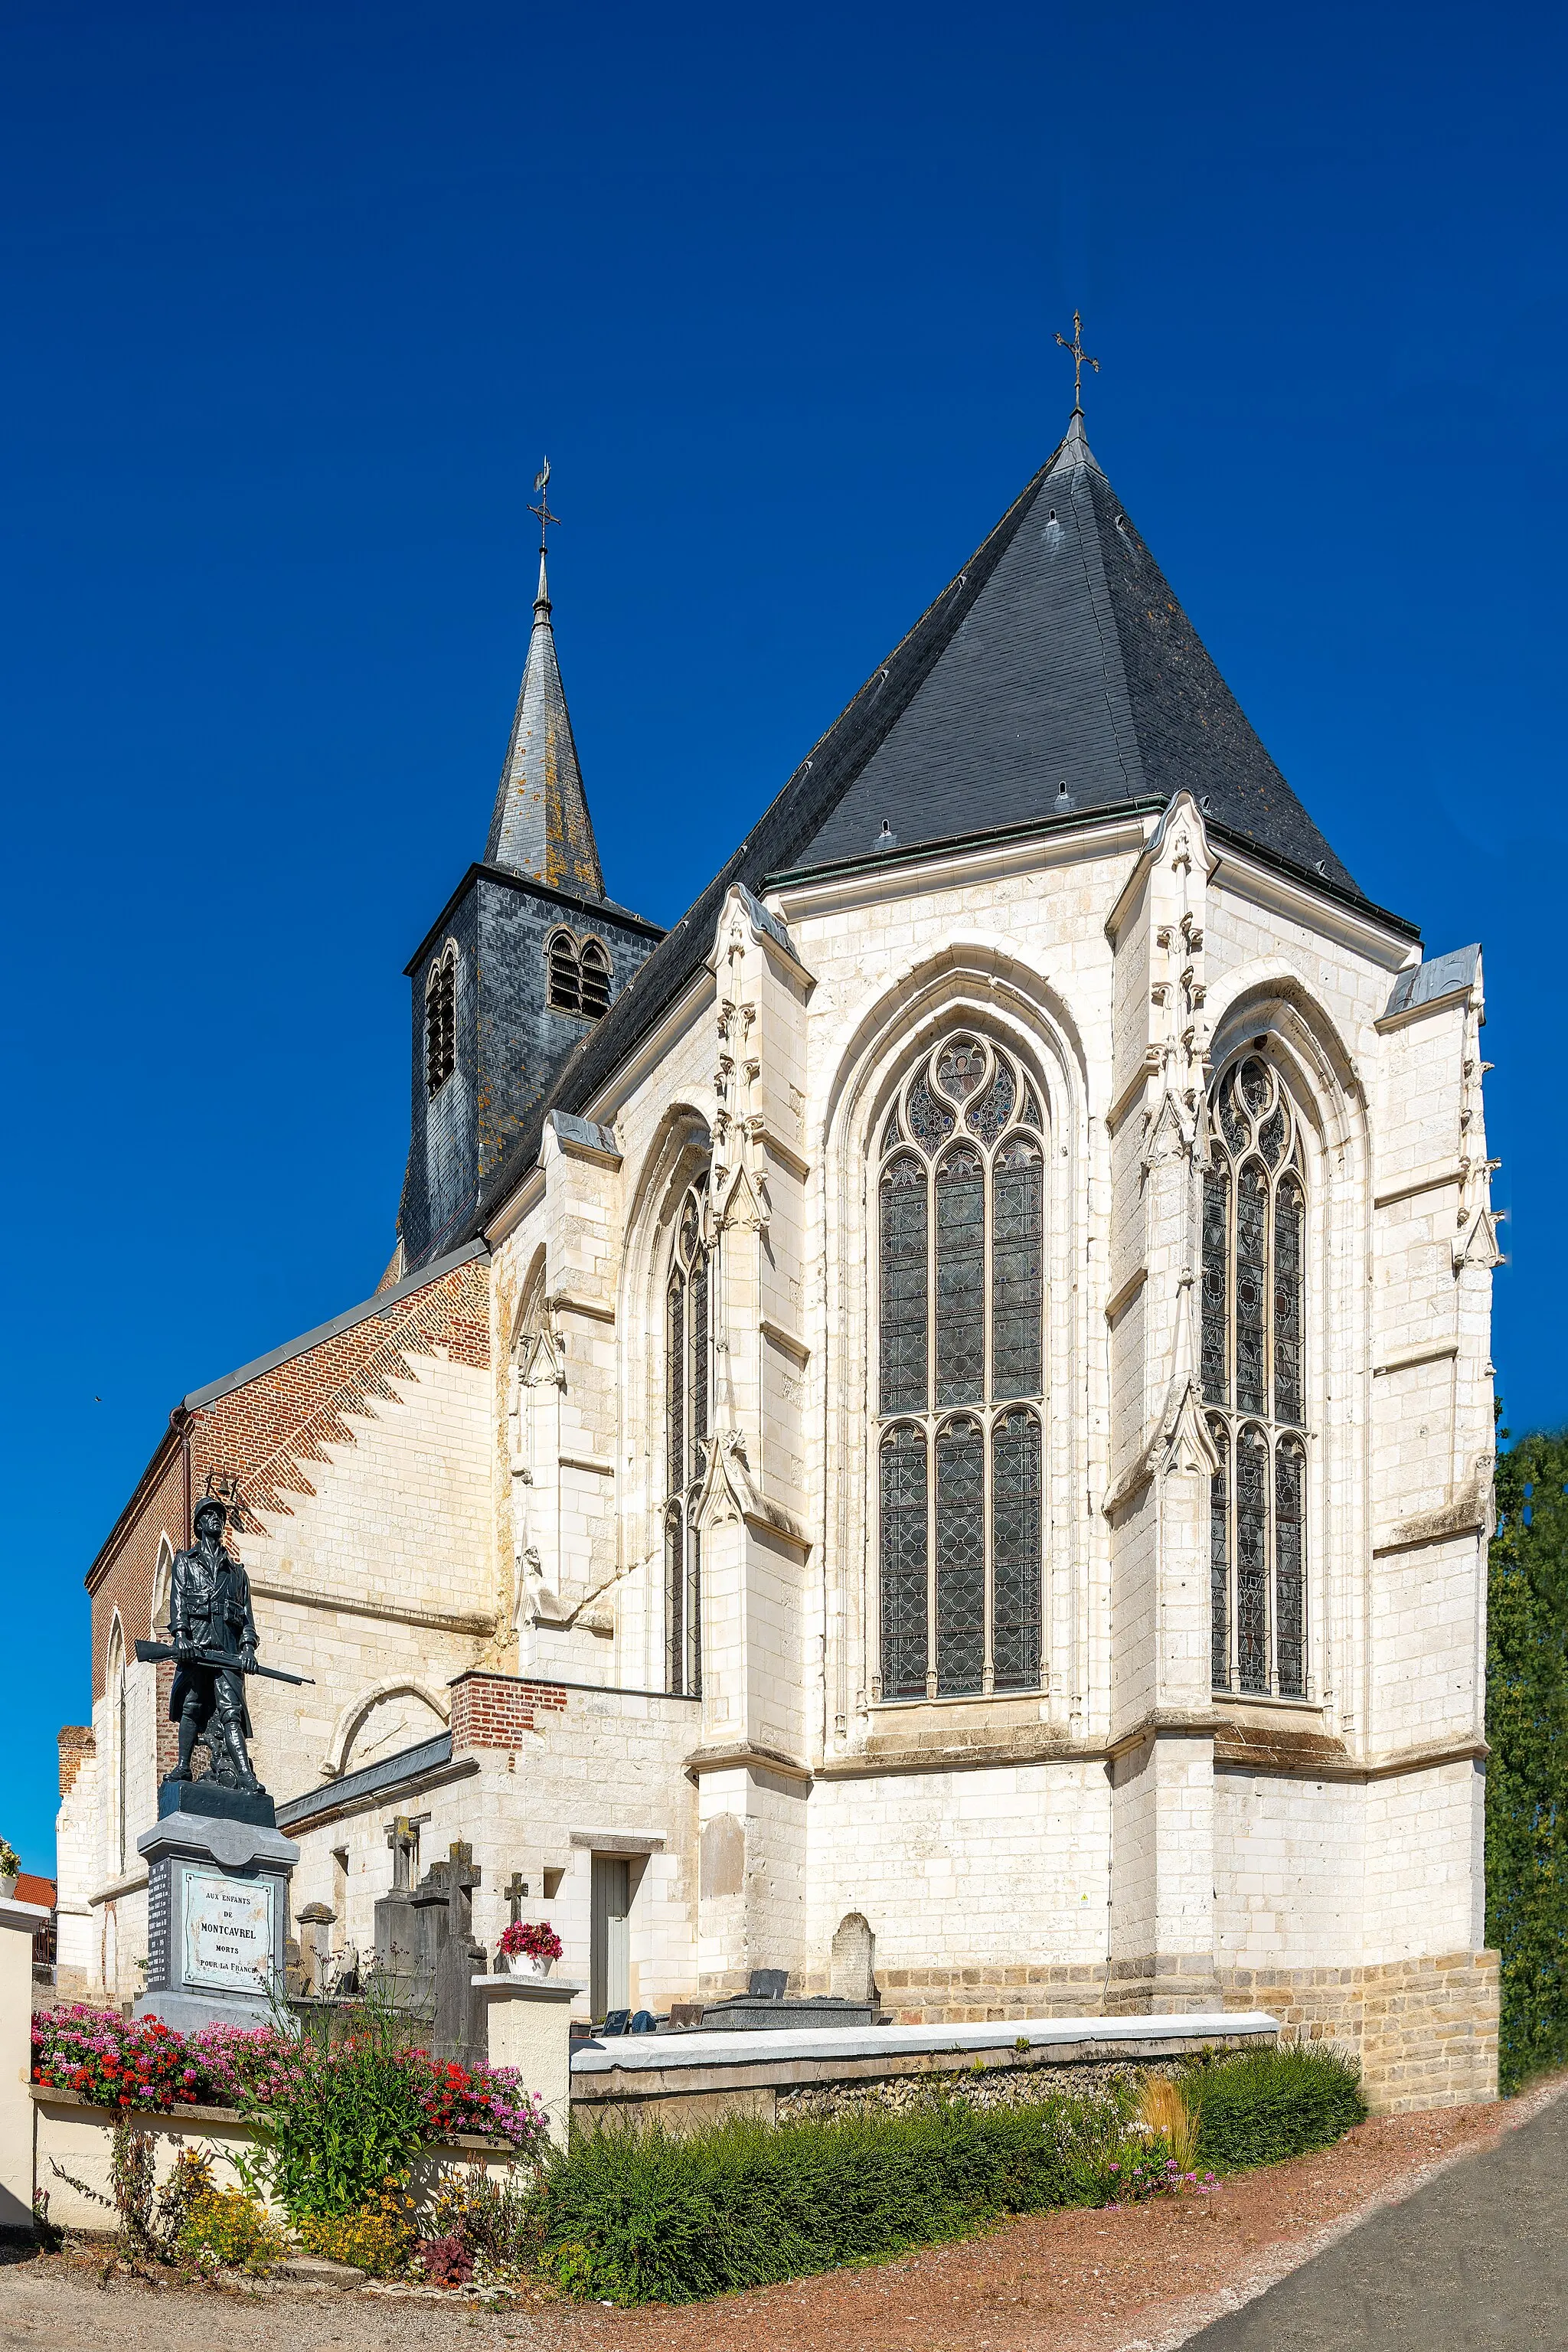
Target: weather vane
[(1078, 356), (541, 484)]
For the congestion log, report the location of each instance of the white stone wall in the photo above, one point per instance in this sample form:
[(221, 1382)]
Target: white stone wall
[(1116, 966)]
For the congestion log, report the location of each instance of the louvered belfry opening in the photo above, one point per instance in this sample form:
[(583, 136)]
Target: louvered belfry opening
[(961, 1375), (1253, 1316), (579, 973), (687, 1345), (596, 971), (441, 1019), (565, 977)]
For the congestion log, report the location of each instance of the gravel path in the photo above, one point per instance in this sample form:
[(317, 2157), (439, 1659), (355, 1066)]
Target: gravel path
[(1142, 2280)]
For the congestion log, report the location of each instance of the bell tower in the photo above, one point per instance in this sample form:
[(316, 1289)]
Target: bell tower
[(524, 958)]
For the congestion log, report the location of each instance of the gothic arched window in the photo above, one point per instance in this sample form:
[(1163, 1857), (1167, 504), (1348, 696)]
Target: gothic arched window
[(960, 1375), (578, 974), (116, 1692), (687, 1358), (596, 968), (1254, 1313), (566, 976), (441, 1019)]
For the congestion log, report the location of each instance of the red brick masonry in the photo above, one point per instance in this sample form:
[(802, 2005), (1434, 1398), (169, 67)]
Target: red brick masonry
[(498, 1710)]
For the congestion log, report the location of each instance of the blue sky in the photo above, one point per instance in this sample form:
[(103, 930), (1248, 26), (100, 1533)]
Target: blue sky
[(296, 297)]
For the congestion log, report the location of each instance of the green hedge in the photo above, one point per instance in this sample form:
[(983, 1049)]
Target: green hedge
[(1527, 1778), (645, 2217), (1261, 2106)]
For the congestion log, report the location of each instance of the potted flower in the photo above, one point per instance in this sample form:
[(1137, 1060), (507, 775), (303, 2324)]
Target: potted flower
[(530, 1947), (10, 1864)]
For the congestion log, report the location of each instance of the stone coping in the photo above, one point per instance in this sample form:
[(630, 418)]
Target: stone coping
[(30, 1916), (529, 1988), (1065, 2037), (44, 2095)]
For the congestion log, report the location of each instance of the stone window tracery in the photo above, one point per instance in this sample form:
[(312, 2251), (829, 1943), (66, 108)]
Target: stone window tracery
[(688, 1343), (960, 1376), (441, 1019), (1252, 1361)]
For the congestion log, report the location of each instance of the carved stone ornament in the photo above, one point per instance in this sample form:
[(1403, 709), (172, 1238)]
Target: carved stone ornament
[(730, 1496)]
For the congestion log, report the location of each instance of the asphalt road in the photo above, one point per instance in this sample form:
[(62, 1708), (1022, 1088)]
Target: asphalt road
[(1476, 2262)]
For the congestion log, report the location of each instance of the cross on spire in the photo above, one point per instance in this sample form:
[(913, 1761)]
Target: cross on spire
[(1078, 356), (541, 484)]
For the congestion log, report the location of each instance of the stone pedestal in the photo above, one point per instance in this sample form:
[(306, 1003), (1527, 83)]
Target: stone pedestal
[(19, 1922), (217, 1914), (528, 2025)]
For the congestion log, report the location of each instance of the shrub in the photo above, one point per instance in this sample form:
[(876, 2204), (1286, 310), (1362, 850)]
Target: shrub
[(1527, 1778), (495, 2221), (1262, 2105), (335, 2121), (446, 2261), (225, 2225), (378, 2237), (642, 2217)]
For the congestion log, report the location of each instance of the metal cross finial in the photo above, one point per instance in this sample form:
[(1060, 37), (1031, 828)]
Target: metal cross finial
[(1078, 356), (541, 484), (516, 1893)]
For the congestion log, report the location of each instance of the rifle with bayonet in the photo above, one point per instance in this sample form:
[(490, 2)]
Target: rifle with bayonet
[(150, 1652)]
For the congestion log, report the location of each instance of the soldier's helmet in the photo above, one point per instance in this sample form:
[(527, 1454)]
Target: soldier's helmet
[(209, 1503)]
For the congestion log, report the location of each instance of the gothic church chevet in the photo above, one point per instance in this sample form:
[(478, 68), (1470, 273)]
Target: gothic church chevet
[(947, 1397)]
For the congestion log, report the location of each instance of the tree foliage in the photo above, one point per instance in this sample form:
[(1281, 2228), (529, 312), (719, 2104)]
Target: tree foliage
[(1527, 1779)]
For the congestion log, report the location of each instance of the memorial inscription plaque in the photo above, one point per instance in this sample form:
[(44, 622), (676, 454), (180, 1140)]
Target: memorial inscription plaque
[(230, 1931)]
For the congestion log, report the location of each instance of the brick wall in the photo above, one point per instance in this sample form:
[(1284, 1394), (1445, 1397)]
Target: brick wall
[(76, 1745), (498, 1710), (268, 1436)]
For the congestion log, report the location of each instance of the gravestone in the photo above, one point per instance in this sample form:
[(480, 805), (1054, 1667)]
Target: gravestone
[(405, 1946), (444, 1945), (315, 1948), (853, 1975)]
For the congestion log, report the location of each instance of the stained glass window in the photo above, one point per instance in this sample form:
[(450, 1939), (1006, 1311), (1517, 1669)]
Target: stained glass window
[(1252, 1560), (1217, 1285), (961, 1296), (904, 1548), (959, 1277), (1219, 1556), (1254, 1365), (1017, 1269), (960, 1557), (687, 1342), (1289, 1563), (1016, 1551), (905, 1281)]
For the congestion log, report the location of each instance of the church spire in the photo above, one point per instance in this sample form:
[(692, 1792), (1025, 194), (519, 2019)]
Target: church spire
[(541, 823)]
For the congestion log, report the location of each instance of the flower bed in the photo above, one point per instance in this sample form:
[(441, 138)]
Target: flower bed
[(122, 2063)]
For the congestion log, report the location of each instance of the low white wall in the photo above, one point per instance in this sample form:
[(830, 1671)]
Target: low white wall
[(72, 2143)]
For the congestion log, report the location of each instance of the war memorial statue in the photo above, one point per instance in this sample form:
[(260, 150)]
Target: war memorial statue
[(213, 1642), (217, 1865)]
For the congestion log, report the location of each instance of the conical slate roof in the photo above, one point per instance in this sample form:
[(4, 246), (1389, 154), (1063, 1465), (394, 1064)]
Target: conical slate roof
[(541, 823), (1057, 655), (1075, 670)]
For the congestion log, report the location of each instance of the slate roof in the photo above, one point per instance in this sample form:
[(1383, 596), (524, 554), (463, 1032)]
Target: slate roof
[(1058, 653), (541, 823), (1424, 983)]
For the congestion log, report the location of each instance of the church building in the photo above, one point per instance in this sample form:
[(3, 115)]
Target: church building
[(946, 1398)]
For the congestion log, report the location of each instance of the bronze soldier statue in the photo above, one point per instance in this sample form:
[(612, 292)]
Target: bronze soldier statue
[(213, 1634)]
